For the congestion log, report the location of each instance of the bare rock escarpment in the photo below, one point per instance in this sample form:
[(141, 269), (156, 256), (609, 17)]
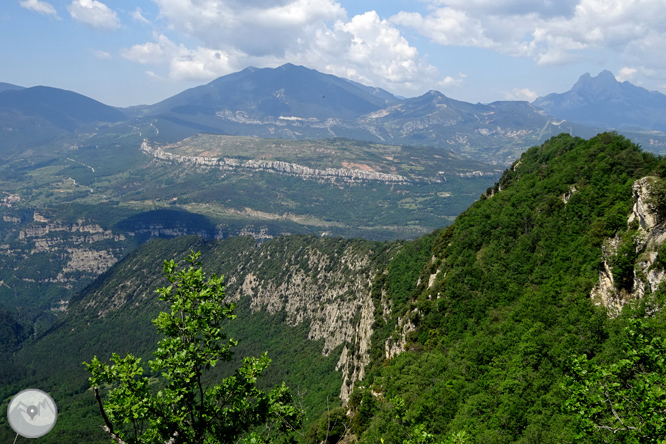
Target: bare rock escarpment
[(280, 167), (645, 245), (331, 293)]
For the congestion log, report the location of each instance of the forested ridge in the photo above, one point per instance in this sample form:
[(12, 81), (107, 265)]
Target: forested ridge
[(509, 306), (491, 312)]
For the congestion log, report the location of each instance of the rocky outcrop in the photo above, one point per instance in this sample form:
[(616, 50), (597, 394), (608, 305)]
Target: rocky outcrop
[(642, 211), (96, 232), (9, 199), (291, 169), (356, 353), (471, 174), (566, 196), (77, 253), (605, 292), (88, 260), (332, 294), (396, 344), (649, 236)]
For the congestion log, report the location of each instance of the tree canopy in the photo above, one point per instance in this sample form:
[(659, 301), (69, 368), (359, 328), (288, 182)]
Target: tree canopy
[(177, 403), (625, 401)]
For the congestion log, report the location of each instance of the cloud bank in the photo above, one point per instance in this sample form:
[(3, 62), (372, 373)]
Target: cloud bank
[(546, 31), (317, 33), (226, 36)]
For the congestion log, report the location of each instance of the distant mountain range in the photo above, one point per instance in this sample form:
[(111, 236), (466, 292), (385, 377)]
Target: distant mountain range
[(64, 109), (604, 102), (8, 86), (290, 91), (294, 102), (34, 116)]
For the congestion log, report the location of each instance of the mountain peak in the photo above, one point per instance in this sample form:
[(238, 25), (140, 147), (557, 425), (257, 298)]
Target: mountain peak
[(602, 101), (604, 80), (64, 109), (9, 87), (288, 90), (606, 75)]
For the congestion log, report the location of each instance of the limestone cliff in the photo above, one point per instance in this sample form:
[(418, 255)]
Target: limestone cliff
[(292, 169), (649, 235), (46, 256), (324, 284), (331, 293)]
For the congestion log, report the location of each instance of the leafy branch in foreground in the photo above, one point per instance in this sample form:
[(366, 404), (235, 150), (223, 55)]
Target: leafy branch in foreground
[(184, 406), (624, 402)]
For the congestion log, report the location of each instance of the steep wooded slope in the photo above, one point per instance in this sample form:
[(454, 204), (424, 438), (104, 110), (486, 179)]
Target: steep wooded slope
[(306, 300), (505, 302), (471, 327)]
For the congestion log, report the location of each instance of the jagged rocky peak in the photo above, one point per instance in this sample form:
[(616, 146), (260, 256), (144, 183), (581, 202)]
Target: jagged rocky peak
[(589, 90), (605, 79), (645, 245)]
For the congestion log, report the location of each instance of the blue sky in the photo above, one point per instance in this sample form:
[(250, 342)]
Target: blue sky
[(127, 53)]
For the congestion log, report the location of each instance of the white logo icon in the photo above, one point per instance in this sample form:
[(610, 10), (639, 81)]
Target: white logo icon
[(32, 413)]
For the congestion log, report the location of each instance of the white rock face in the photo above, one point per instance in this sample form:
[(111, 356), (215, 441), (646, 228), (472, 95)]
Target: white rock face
[(394, 346), (642, 211), (79, 227), (291, 169), (340, 309), (605, 293), (650, 236), (91, 261), (566, 196), (73, 246)]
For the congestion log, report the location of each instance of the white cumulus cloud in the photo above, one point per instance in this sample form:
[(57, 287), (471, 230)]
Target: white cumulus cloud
[(372, 51), (316, 33), (102, 54), (626, 74), (256, 27), (546, 31), (94, 14), (449, 81), (39, 6), (182, 63), (521, 94)]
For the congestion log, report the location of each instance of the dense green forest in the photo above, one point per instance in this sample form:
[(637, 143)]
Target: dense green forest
[(113, 315), (510, 306), (100, 196), (494, 313)]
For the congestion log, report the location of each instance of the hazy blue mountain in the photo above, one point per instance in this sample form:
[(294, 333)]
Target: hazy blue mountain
[(63, 109), (296, 103), (605, 102), (377, 92), (495, 133), (289, 91), (9, 86), (293, 102)]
